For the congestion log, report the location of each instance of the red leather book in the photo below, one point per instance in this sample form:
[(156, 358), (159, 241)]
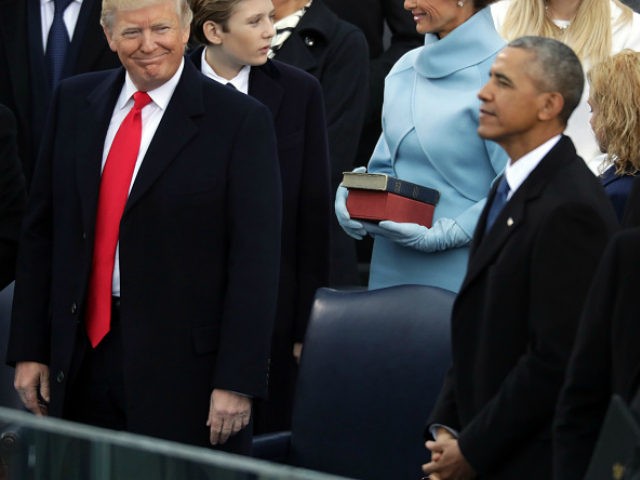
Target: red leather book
[(374, 205)]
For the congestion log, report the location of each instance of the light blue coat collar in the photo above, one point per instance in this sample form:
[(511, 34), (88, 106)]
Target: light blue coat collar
[(460, 48)]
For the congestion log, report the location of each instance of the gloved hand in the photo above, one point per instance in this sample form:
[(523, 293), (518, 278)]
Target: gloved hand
[(352, 228), (443, 235)]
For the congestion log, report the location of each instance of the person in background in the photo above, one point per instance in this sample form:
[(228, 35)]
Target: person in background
[(430, 118), (42, 42), (373, 17), (594, 29), (236, 35), (148, 264), (311, 37), (605, 359), (12, 196), (535, 250), (634, 4), (390, 32), (614, 100)]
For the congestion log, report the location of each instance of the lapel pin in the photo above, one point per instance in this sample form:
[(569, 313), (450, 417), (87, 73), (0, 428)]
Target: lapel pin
[(509, 222)]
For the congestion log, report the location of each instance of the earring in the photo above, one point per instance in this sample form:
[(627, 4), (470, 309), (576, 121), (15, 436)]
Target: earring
[(460, 3)]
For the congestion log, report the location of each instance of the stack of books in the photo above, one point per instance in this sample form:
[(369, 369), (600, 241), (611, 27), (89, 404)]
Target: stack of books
[(377, 196)]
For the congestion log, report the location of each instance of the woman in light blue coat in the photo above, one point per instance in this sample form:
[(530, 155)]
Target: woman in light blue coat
[(430, 118)]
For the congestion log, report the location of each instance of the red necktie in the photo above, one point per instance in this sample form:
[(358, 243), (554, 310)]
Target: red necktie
[(114, 190)]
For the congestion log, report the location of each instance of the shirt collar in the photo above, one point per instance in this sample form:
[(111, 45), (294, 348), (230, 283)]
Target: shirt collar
[(240, 81), (44, 2), (160, 96), (517, 172)]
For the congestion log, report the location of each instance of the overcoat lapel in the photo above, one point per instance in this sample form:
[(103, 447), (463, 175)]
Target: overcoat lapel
[(87, 32), (513, 215), (90, 145), (176, 129), (264, 87)]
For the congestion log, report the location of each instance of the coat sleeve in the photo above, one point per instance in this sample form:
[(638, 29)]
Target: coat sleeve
[(344, 81), (314, 213), (254, 223), (588, 387), (445, 411), (565, 252), (12, 196), (29, 336)]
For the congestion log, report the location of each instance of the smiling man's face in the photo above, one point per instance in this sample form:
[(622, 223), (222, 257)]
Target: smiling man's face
[(150, 42)]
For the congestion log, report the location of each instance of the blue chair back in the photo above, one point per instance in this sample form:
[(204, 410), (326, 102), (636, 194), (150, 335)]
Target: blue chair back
[(372, 366)]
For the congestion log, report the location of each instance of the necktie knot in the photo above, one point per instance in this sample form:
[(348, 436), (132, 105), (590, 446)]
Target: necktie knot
[(141, 100), (60, 6)]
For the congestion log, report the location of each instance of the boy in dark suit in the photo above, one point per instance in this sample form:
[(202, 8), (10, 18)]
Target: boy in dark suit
[(534, 252)]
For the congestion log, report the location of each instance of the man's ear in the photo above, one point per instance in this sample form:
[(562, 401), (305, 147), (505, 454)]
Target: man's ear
[(110, 41), (552, 104), (212, 32)]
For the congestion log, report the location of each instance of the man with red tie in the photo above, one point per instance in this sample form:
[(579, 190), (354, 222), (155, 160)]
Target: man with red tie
[(148, 265)]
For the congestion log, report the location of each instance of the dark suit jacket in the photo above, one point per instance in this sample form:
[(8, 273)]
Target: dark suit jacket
[(199, 251), (335, 52), (617, 188), (606, 358), (295, 101), (631, 216), (23, 81), (371, 16), (12, 196), (514, 320)]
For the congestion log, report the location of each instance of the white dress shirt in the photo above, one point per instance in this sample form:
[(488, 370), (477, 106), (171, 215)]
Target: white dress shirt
[(517, 172), (240, 81), (151, 117), (70, 18)]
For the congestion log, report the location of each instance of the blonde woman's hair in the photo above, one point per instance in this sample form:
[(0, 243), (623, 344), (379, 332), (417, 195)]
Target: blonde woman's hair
[(615, 94), (110, 7), (589, 33)]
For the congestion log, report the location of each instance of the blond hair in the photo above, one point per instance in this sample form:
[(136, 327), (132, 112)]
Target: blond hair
[(589, 33), (110, 7), (615, 93)]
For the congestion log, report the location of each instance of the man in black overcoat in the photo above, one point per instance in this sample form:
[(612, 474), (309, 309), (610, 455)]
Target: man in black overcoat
[(192, 287), (534, 252)]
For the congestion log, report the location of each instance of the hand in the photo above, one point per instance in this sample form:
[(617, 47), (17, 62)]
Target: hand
[(351, 227), (447, 461), (443, 235), (229, 413), (297, 351), (32, 384)]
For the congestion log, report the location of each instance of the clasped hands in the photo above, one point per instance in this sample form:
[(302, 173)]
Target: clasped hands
[(447, 461)]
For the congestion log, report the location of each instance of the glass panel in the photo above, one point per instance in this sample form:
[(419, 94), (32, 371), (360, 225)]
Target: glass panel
[(34, 448)]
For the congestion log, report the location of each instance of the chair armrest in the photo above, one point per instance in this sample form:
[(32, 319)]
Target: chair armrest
[(272, 446)]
